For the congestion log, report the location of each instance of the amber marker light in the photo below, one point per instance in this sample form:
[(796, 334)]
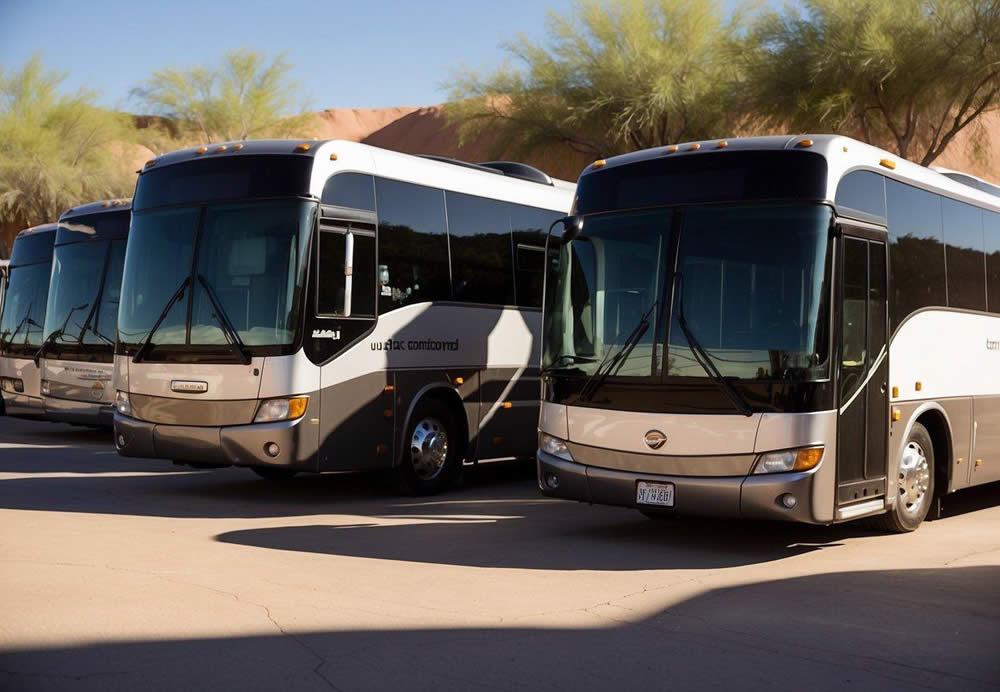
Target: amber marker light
[(389, 388), (895, 392), (238, 147), (459, 380), (722, 145), (333, 157), (918, 386), (508, 404), (599, 163), (694, 147), (221, 148), (888, 163), (105, 204), (151, 162), (201, 150), (672, 149), (305, 146), (808, 459), (896, 415), (805, 143)]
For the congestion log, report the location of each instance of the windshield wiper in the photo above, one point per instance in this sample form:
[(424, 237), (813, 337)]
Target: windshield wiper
[(572, 358), (24, 320), (56, 334), (614, 364), (705, 360), (227, 327), (144, 346)]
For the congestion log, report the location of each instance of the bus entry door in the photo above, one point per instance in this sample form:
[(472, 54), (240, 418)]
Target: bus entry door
[(863, 436)]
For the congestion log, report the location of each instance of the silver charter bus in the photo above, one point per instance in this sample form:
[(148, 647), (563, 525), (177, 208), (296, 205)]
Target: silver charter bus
[(76, 357), (23, 321), (330, 306), (802, 328)]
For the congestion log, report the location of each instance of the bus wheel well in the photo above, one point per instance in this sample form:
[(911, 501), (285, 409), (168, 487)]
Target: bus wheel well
[(937, 426), (450, 398)]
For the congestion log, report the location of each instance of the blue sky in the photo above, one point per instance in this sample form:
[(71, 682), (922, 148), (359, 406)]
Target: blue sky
[(360, 54)]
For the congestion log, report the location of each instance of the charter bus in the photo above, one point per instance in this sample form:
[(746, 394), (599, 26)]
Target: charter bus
[(802, 328), (330, 306), (76, 356), (23, 321)]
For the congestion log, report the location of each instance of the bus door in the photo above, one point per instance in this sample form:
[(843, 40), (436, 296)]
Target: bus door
[(863, 436)]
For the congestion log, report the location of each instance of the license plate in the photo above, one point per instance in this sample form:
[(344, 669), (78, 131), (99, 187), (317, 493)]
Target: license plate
[(649, 493)]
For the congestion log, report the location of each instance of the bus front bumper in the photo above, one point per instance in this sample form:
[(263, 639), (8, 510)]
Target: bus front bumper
[(23, 406), (751, 497), (79, 412), (235, 445)]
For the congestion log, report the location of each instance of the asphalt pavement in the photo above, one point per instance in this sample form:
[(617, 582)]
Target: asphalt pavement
[(137, 574)]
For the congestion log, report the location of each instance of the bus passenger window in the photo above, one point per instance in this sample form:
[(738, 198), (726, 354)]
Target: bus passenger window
[(332, 273)]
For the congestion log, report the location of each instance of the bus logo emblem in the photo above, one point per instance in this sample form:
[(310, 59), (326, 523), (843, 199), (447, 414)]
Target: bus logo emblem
[(333, 334), (189, 386), (655, 439)]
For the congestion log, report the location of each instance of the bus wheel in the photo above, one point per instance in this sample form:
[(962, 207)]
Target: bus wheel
[(914, 484), (273, 473), (433, 453)]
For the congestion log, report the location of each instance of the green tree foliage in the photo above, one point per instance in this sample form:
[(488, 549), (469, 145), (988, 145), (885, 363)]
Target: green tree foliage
[(56, 151), (613, 77), (245, 97), (907, 75)]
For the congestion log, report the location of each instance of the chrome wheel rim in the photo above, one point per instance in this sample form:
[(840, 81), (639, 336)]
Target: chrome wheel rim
[(914, 479), (428, 448)]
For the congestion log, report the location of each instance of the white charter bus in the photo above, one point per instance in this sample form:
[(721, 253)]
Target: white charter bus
[(23, 321), (802, 328), (330, 306), (76, 357)]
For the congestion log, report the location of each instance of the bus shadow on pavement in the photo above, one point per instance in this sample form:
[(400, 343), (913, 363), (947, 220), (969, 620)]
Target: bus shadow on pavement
[(874, 630)]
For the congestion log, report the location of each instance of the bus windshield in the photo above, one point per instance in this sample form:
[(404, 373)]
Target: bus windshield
[(83, 298), (24, 309), (238, 263), (750, 282)]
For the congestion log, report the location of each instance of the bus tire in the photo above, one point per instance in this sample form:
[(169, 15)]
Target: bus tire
[(914, 484), (432, 450), (273, 473)]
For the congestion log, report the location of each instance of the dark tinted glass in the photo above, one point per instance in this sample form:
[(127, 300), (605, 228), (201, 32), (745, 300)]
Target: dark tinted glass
[(479, 236), (530, 227), (963, 235), (854, 343), (24, 309), (228, 177), (330, 287), (363, 289), (77, 270), (106, 320), (991, 223), (112, 224), (413, 245), (354, 190), (916, 252), (876, 298), (710, 177), (863, 191), (31, 248)]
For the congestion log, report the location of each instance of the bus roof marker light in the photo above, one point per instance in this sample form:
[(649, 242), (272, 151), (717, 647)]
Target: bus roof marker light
[(105, 203), (201, 150), (333, 156), (672, 149), (238, 146), (221, 148), (694, 147), (151, 162), (888, 163), (599, 163), (304, 146), (722, 144), (805, 144)]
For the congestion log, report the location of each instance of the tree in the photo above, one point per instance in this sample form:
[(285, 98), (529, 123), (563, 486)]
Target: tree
[(613, 77), (245, 97), (56, 151), (908, 76)]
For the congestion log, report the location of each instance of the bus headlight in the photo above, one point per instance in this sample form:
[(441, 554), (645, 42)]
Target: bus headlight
[(281, 409), (122, 404), (554, 446), (789, 460), (12, 384)]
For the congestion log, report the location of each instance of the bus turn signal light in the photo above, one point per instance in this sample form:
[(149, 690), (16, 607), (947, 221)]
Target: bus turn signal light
[(789, 460)]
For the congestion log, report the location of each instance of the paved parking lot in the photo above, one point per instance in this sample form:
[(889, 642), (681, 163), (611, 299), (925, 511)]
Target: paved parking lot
[(126, 574)]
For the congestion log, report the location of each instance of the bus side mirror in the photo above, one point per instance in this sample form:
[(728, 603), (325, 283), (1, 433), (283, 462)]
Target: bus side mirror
[(572, 227)]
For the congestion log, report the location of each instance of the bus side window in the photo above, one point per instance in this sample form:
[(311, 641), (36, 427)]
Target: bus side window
[(352, 190), (479, 239), (530, 227), (334, 276), (414, 266), (991, 224), (916, 250)]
